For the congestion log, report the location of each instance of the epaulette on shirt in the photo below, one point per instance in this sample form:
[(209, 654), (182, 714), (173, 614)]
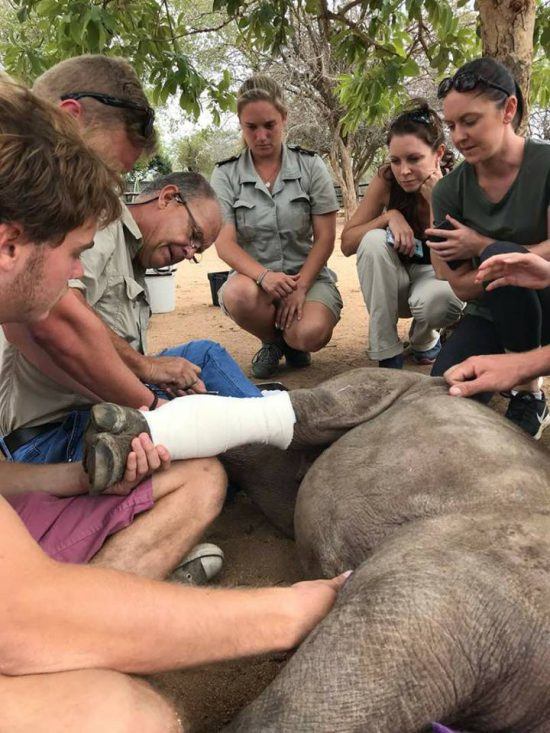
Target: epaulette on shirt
[(228, 160), (304, 151)]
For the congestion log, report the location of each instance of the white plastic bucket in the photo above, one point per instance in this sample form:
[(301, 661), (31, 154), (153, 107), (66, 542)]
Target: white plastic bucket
[(161, 285)]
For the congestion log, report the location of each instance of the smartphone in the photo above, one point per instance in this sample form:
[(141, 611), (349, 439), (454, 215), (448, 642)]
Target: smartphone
[(446, 224), (418, 251)]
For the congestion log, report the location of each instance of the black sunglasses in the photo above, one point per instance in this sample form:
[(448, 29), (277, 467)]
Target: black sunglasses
[(466, 81), (148, 112), (416, 115)]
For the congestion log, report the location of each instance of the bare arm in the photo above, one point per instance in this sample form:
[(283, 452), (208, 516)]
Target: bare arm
[(369, 215), (60, 479), (78, 342), (462, 280), (542, 249), (497, 372), (276, 284), (69, 479), (129, 623), (324, 234), (516, 268), (235, 256)]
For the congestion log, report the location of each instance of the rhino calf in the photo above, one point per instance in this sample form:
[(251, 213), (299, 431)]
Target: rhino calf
[(443, 508)]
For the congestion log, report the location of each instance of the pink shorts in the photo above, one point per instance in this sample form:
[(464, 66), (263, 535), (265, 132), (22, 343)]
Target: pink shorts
[(73, 529)]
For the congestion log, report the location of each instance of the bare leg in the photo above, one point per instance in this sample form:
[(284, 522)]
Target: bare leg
[(313, 331), (87, 701), (251, 308), (188, 497)]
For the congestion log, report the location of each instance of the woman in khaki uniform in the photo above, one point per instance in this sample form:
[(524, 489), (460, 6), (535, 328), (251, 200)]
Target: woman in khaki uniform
[(280, 219)]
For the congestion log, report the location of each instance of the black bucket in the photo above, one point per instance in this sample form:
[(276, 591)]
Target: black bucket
[(216, 280)]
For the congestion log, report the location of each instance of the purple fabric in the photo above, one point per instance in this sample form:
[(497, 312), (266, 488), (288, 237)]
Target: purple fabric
[(73, 529), (438, 728)]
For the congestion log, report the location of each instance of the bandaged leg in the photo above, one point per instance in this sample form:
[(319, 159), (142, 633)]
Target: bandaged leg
[(199, 426)]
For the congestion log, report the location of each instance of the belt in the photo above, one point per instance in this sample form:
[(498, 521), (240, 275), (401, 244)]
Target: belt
[(21, 436)]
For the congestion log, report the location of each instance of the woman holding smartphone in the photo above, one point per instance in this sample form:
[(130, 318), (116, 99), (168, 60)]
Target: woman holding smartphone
[(497, 201), (388, 234)]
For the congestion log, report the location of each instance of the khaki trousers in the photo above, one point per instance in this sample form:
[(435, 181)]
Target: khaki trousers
[(392, 290)]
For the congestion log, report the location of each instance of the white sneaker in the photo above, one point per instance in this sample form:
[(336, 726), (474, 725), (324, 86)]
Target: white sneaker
[(202, 564)]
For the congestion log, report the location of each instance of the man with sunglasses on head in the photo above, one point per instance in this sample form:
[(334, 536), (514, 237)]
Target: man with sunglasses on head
[(93, 345), (71, 634)]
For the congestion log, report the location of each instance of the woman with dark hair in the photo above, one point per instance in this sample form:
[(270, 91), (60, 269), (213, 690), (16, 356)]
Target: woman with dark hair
[(387, 233), (497, 201)]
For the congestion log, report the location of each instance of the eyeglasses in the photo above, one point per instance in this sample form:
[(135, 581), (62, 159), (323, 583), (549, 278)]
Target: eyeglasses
[(196, 238), (466, 81), (148, 112)]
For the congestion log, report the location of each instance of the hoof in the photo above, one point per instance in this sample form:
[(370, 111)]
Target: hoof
[(107, 417), (105, 459)]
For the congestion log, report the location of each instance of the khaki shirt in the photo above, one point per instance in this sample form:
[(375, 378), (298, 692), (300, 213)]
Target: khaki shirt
[(276, 228), (114, 285)]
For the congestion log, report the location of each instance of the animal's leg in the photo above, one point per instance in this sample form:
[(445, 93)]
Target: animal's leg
[(326, 412)]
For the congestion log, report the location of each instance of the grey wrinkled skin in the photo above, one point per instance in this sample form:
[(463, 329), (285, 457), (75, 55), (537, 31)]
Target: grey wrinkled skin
[(443, 508)]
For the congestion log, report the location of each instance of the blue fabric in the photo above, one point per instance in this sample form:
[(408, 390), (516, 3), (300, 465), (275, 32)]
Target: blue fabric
[(62, 444), (220, 373)]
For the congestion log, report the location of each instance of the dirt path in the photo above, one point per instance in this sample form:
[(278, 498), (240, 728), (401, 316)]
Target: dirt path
[(256, 554)]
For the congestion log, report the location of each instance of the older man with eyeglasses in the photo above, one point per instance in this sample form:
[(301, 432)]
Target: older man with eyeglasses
[(93, 345)]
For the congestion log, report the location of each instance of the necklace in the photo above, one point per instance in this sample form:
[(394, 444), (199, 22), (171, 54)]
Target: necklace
[(271, 177)]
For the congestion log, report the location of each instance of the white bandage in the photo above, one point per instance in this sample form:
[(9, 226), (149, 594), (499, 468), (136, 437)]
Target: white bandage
[(199, 426)]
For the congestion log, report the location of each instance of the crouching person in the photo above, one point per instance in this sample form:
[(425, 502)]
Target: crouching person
[(69, 632)]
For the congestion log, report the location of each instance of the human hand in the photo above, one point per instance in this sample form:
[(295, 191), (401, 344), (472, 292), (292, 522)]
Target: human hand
[(491, 373), (310, 601), (278, 284), (428, 184), (290, 307), (516, 268), (143, 460), (174, 375), (403, 235), (460, 243)]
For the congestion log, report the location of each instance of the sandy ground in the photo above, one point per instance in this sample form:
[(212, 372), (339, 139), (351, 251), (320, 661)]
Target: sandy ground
[(256, 554)]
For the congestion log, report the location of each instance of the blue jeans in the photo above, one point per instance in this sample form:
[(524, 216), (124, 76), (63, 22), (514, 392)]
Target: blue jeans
[(219, 372)]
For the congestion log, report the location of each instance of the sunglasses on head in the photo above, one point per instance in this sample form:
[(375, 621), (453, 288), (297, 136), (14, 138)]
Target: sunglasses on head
[(416, 115), (465, 81), (148, 112)]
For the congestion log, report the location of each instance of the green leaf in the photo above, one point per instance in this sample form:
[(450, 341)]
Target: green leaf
[(312, 6), (410, 68)]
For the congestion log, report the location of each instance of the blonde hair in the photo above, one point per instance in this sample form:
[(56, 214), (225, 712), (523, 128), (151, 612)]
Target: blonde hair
[(261, 88), (51, 182), (102, 75)]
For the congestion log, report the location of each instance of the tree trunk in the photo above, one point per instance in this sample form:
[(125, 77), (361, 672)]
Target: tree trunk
[(507, 28), (342, 166)]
